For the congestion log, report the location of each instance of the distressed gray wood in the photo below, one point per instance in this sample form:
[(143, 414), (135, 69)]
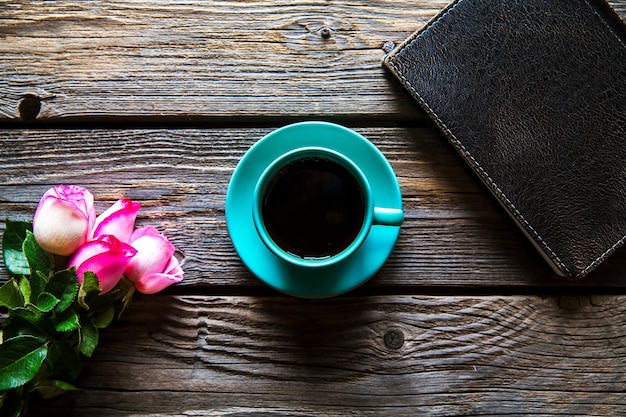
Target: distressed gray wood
[(204, 59), (454, 235), (365, 356)]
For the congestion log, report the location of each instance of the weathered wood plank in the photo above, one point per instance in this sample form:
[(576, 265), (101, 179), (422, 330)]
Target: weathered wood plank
[(454, 234), (401, 356), (207, 59), (204, 58)]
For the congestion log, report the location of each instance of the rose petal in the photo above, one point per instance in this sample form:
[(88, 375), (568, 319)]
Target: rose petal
[(59, 227), (118, 220), (106, 257), (150, 284), (153, 254), (174, 268), (143, 231), (79, 196), (88, 250)]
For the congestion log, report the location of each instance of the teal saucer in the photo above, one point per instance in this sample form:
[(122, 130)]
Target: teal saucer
[(296, 280)]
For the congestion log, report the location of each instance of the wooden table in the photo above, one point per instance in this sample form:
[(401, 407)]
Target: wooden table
[(157, 101)]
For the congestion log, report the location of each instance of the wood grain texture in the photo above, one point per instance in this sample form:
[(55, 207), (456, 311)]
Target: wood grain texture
[(223, 344), (365, 356), (202, 60), (454, 234)]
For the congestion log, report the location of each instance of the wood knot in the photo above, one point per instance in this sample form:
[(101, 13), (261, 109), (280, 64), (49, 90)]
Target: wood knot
[(394, 339), (388, 46), (326, 32), (29, 106)]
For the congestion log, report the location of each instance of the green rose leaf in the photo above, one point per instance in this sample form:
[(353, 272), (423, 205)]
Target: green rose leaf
[(24, 321), (102, 319), (63, 360), (103, 302), (89, 289), (51, 388), (88, 337), (12, 242), (46, 302), (10, 295), (37, 258), (37, 284), (20, 360), (67, 321), (63, 285), (25, 289)]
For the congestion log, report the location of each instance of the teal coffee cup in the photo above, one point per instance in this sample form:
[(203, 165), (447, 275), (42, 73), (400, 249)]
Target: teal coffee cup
[(313, 207)]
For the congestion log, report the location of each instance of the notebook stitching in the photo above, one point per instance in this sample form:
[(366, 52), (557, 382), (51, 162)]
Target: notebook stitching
[(604, 22), (604, 255), (484, 173)]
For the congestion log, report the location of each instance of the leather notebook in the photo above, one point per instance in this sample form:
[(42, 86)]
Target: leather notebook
[(532, 94)]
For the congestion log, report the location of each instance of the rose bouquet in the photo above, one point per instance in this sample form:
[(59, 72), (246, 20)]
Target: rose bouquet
[(71, 273)]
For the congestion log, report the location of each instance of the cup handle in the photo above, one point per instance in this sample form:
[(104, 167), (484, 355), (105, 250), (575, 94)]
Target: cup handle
[(388, 216)]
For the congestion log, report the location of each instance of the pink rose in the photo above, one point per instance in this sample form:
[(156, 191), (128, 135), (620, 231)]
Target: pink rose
[(106, 257), (118, 220), (155, 267), (64, 219)]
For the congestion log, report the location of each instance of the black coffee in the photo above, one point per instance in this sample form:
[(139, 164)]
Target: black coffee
[(313, 208)]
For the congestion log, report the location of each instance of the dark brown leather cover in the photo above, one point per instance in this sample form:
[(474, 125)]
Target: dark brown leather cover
[(532, 94)]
